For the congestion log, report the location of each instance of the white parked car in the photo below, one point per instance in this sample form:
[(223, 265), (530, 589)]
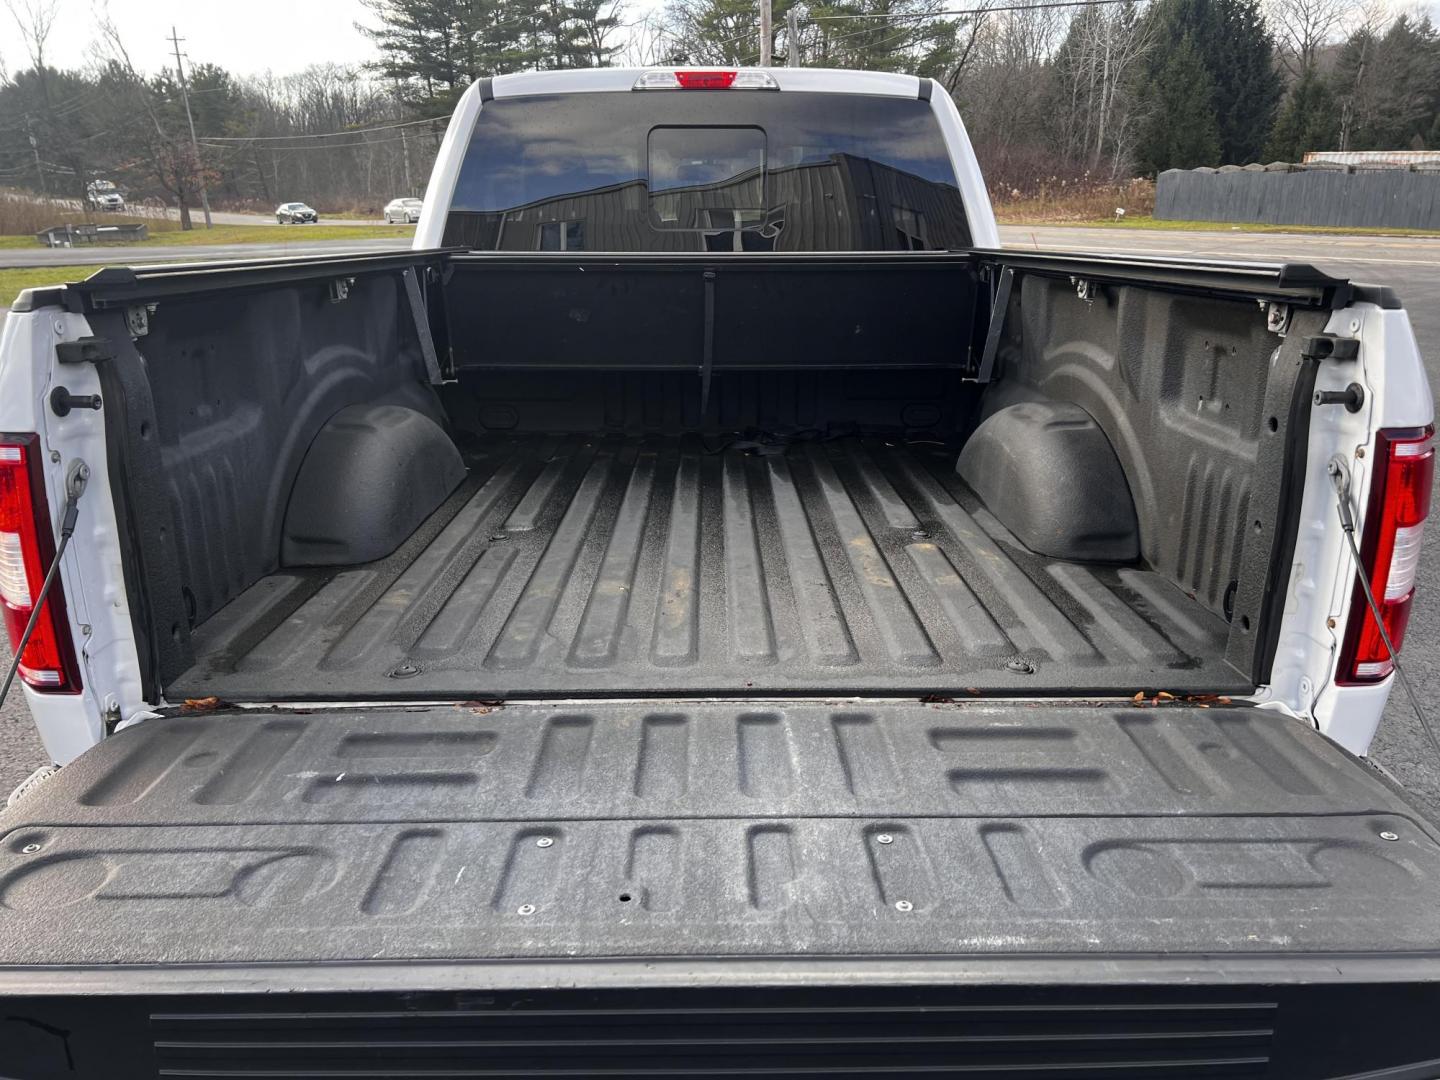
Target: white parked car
[(104, 195), (403, 211)]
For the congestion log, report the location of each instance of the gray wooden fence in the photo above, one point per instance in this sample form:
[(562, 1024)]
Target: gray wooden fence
[(1366, 197)]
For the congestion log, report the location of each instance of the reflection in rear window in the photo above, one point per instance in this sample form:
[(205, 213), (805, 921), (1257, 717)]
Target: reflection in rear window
[(707, 171), (705, 177)]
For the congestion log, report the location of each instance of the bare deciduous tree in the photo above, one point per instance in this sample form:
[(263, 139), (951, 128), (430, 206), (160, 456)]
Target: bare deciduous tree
[(1095, 66), (35, 20), (1303, 27)]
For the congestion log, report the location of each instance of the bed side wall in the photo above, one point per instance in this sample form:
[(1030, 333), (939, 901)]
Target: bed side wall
[(240, 383), (1196, 396)]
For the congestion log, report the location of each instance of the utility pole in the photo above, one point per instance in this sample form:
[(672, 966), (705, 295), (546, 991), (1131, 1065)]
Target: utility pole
[(35, 149), (792, 36), (405, 150), (175, 40), (766, 44)]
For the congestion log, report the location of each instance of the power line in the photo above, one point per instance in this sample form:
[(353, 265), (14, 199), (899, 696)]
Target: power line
[(59, 112), (360, 145), (1050, 4), (321, 134), (891, 40), (832, 42), (869, 30), (972, 11)]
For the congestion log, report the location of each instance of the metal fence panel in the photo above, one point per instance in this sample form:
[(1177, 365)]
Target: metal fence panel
[(1384, 198)]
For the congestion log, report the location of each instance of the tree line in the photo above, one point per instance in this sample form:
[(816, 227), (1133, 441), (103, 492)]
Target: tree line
[(1112, 88), (331, 134), (1105, 90)]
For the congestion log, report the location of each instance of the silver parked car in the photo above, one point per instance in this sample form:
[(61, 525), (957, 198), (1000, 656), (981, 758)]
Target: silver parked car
[(295, 213), (405, 211)]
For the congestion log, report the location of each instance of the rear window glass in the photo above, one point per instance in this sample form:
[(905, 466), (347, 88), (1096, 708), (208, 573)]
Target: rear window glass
[(706, 171)]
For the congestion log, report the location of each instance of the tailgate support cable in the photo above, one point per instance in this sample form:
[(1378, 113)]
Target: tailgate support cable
[(999, 308), (1340, 477), (75, 481)]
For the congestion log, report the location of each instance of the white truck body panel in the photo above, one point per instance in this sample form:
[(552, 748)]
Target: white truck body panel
[(1397, 395), (91, 574)]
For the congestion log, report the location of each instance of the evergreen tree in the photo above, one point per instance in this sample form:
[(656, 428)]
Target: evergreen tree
[(591, 25), (427, 46), (718, 31), (434, 49), (1309, 120), (1248, 89), (1241, 86), (1180, 131), (869, 35)]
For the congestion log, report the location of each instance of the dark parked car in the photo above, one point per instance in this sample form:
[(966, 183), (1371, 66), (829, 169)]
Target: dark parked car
[(295, 213)]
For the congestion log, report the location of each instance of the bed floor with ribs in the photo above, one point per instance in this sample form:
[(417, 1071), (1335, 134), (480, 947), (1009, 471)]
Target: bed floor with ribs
[(578, 566)]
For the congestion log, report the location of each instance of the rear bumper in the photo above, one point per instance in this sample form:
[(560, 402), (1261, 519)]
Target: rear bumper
[(1419, 970), (1251, 1031)]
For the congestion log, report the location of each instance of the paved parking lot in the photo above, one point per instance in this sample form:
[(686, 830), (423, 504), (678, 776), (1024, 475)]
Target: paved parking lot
[(1411, 267)]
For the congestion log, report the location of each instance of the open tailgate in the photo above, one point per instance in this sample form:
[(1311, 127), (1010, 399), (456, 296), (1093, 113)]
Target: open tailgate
[(1032, 889)]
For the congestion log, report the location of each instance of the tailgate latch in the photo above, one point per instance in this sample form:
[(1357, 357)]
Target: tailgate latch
[(1330, 347), (86, 350)]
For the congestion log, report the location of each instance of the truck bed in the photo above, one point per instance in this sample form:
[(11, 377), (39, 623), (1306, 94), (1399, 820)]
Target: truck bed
[(573, 565)]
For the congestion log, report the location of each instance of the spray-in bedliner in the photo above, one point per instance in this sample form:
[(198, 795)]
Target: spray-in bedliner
[(595, 566), (713, 830)]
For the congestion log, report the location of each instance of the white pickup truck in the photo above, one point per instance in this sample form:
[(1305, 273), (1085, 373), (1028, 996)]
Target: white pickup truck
[(708, 610)]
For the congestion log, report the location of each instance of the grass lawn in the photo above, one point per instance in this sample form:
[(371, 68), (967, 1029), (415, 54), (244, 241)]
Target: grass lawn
[(29, 277), (247, 234), (1144, 221)]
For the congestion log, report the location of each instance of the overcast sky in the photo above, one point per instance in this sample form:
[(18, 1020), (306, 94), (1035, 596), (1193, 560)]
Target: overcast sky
[(248, 37), (245, 36)]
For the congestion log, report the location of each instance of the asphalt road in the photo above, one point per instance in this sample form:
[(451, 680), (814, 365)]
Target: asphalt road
[(288, 242), (223, 217), (1410, 266)]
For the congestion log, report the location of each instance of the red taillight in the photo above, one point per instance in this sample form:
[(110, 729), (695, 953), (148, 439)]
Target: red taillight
[(705, 80), (1390, 551), (27, 545)]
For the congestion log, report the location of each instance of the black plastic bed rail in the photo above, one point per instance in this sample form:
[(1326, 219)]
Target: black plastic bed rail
[(1289, 283), (1016, 1033), (121, 286), (1292, 283)]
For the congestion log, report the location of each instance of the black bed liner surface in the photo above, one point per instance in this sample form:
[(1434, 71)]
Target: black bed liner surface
[(708, 830), (579, 566)]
